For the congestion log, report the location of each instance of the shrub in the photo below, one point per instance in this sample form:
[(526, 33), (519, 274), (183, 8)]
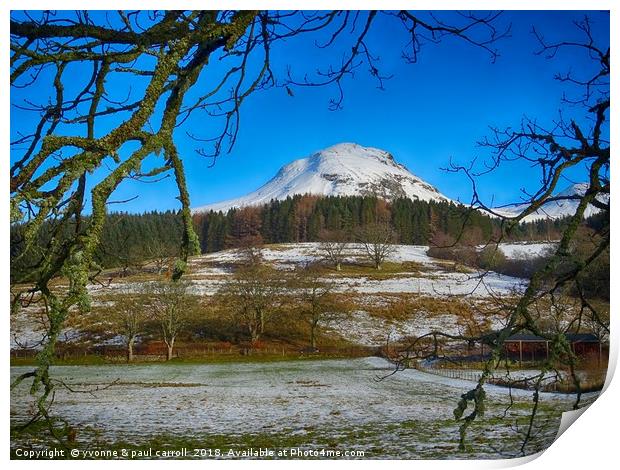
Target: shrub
[(490, 258), (460, 253)]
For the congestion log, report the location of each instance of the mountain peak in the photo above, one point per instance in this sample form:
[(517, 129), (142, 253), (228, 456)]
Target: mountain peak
[(344, 147), (344, 169), (350, 149), (346, 156)]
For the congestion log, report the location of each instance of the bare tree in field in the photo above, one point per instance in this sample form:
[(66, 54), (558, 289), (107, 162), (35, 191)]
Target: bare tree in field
[(253, 294), (317, 303), (128, 316), (161, 254), (172, 307), (378, 240), (333, 245), (251, 251)]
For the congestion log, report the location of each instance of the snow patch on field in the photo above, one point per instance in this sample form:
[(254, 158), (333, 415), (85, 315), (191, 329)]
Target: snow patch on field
[(363, 328), (368, 330), (526, 250), (210, 272), (437, 284), (301, 253), (28, 329)]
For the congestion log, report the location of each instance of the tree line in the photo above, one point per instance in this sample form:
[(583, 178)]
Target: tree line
[(304, 219), (127, 242)]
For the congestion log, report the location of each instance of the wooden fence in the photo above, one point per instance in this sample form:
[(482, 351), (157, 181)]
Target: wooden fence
[(157, 351), (593, 382)]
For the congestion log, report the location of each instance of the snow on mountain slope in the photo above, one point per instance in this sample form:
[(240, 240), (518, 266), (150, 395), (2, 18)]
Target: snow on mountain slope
[(345, 169), (554, 209)]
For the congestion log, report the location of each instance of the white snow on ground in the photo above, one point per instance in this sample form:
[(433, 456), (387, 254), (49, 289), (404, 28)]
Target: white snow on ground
[(441, 284), (300, 253), (28, 329), (368, 330), (208, 274), (283, 256), (408, 415), (403, 253), (25, 333), (526, 250)]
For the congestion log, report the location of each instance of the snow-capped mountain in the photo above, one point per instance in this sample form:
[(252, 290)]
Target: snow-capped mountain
[(345, 169), (554, 209)]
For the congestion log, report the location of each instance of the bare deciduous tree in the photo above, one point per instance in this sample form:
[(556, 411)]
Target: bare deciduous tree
[(172, 307), (333, 245), (254, 293), (162, 255), (378, 239), (318, 305), (128, 317)]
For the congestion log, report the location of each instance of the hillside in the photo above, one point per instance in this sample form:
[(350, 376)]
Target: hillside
[(554, 210), (438, 293)]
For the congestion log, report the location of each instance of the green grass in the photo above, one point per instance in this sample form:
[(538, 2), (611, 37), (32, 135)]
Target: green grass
[(369, 438), (434, 439), (212, 359), (212, 446), (388, 270), (88, 360)]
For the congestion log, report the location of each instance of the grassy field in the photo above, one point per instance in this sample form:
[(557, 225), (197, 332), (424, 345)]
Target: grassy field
[(339, 404)]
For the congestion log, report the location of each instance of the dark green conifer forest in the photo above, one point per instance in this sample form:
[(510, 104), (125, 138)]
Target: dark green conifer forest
[(129, 240)]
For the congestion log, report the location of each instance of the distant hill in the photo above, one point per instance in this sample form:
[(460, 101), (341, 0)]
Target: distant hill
[(554, 209)]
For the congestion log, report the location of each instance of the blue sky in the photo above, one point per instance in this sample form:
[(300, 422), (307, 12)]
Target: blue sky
[(430, 112)]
